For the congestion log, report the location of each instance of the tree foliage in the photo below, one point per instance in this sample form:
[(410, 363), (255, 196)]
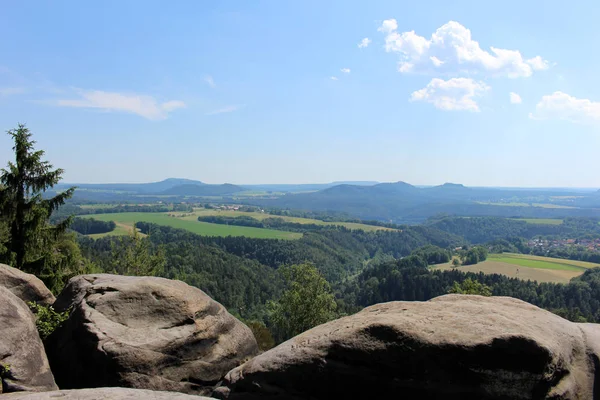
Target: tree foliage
[(469, 286), (46, 318), (306, 302), (134, 255), (27, 240)]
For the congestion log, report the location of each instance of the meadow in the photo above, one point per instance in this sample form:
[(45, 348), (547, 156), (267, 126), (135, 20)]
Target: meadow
[(527, 267), (260, 216), (201, 228)]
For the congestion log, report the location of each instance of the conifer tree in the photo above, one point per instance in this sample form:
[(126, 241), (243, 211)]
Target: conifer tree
[(26, 210)]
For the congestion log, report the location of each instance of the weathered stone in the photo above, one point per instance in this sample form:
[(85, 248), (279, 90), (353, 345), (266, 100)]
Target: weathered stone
[(144, 332), (451, 347), (21, 349), (25, 286), (103, 394)]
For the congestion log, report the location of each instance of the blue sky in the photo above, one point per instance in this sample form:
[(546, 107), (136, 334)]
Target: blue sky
[(242, 91)]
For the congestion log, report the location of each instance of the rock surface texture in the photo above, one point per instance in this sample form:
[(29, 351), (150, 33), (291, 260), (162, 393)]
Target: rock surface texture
[(145, 333), (103, 394), (25, 286), (23, 362), (451, 347)]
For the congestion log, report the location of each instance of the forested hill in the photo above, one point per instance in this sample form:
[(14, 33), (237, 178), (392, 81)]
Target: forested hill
[(140, 188), (403, 203), (486, 229), (240, 272)]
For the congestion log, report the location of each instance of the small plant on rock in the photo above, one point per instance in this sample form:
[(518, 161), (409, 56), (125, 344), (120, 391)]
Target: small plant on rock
[(47, 319)]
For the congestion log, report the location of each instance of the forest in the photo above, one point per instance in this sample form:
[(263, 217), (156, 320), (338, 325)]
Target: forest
[(254, 278)]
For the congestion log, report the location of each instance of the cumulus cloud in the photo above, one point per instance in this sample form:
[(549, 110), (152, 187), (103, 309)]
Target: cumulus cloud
[(515, 98), (210, 81), (145, 106), (560, 105), (364, 43), (333, 78), (456, 94), (452, 46), (345, 70), (226, 109)]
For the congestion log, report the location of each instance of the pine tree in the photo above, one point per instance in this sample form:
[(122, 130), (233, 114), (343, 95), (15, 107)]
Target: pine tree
[(25, 210)]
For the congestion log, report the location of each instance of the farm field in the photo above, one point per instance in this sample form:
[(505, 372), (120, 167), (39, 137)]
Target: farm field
[(201, 228), (527, 267), (517, 204), (260, 216), (120, 230), (543, 221)]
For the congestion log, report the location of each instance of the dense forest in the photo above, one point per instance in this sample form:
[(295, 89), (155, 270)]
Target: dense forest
[(88, 226), (486, 229)]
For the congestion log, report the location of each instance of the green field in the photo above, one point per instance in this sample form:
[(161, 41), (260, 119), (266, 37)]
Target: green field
[(260, 216), (529, 261), (526, 267), (201, 228), (545, 221)]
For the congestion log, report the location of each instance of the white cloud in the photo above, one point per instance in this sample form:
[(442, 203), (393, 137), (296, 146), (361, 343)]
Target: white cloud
[(145, 106), (334, 78), (436, 61), (364, 43), (226, 109), (559, 105), (515, 98), (452, 45), (209, 81), (452, 95), (9, 91), (345, 70)]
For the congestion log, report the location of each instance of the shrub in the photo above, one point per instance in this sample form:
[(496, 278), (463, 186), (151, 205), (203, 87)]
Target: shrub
[(47, 320)]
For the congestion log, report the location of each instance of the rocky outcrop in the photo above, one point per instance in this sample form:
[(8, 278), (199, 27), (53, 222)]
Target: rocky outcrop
[(451, 347), (25, 286), (103, 394), (144, 332), (23, 363)]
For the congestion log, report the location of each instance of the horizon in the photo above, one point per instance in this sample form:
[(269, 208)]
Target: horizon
[(307, 92), (340, 182)]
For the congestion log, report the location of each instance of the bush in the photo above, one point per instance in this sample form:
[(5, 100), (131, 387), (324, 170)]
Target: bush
[(47, 320), (262, 335)]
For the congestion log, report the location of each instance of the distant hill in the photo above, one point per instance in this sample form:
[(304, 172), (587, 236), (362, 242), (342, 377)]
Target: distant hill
[(404, 203), (203, 190), (304, 187), (141, 188)]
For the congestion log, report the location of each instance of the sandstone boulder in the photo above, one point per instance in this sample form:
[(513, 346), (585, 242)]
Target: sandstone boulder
[(451, 347), (23, 362), (103, 394), (25, 286), (146, 333)]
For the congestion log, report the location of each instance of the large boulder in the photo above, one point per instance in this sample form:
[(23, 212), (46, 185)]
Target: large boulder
[(23, 362), (103, 394), (146, 333), (451, 347), (27, 287)]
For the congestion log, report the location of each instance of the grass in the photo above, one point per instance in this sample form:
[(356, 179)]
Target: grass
[(527, 267), (260, 216), (544, 221), (201, 228), (532, 261)]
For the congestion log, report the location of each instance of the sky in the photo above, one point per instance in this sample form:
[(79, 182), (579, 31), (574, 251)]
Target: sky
[(301, 91)]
